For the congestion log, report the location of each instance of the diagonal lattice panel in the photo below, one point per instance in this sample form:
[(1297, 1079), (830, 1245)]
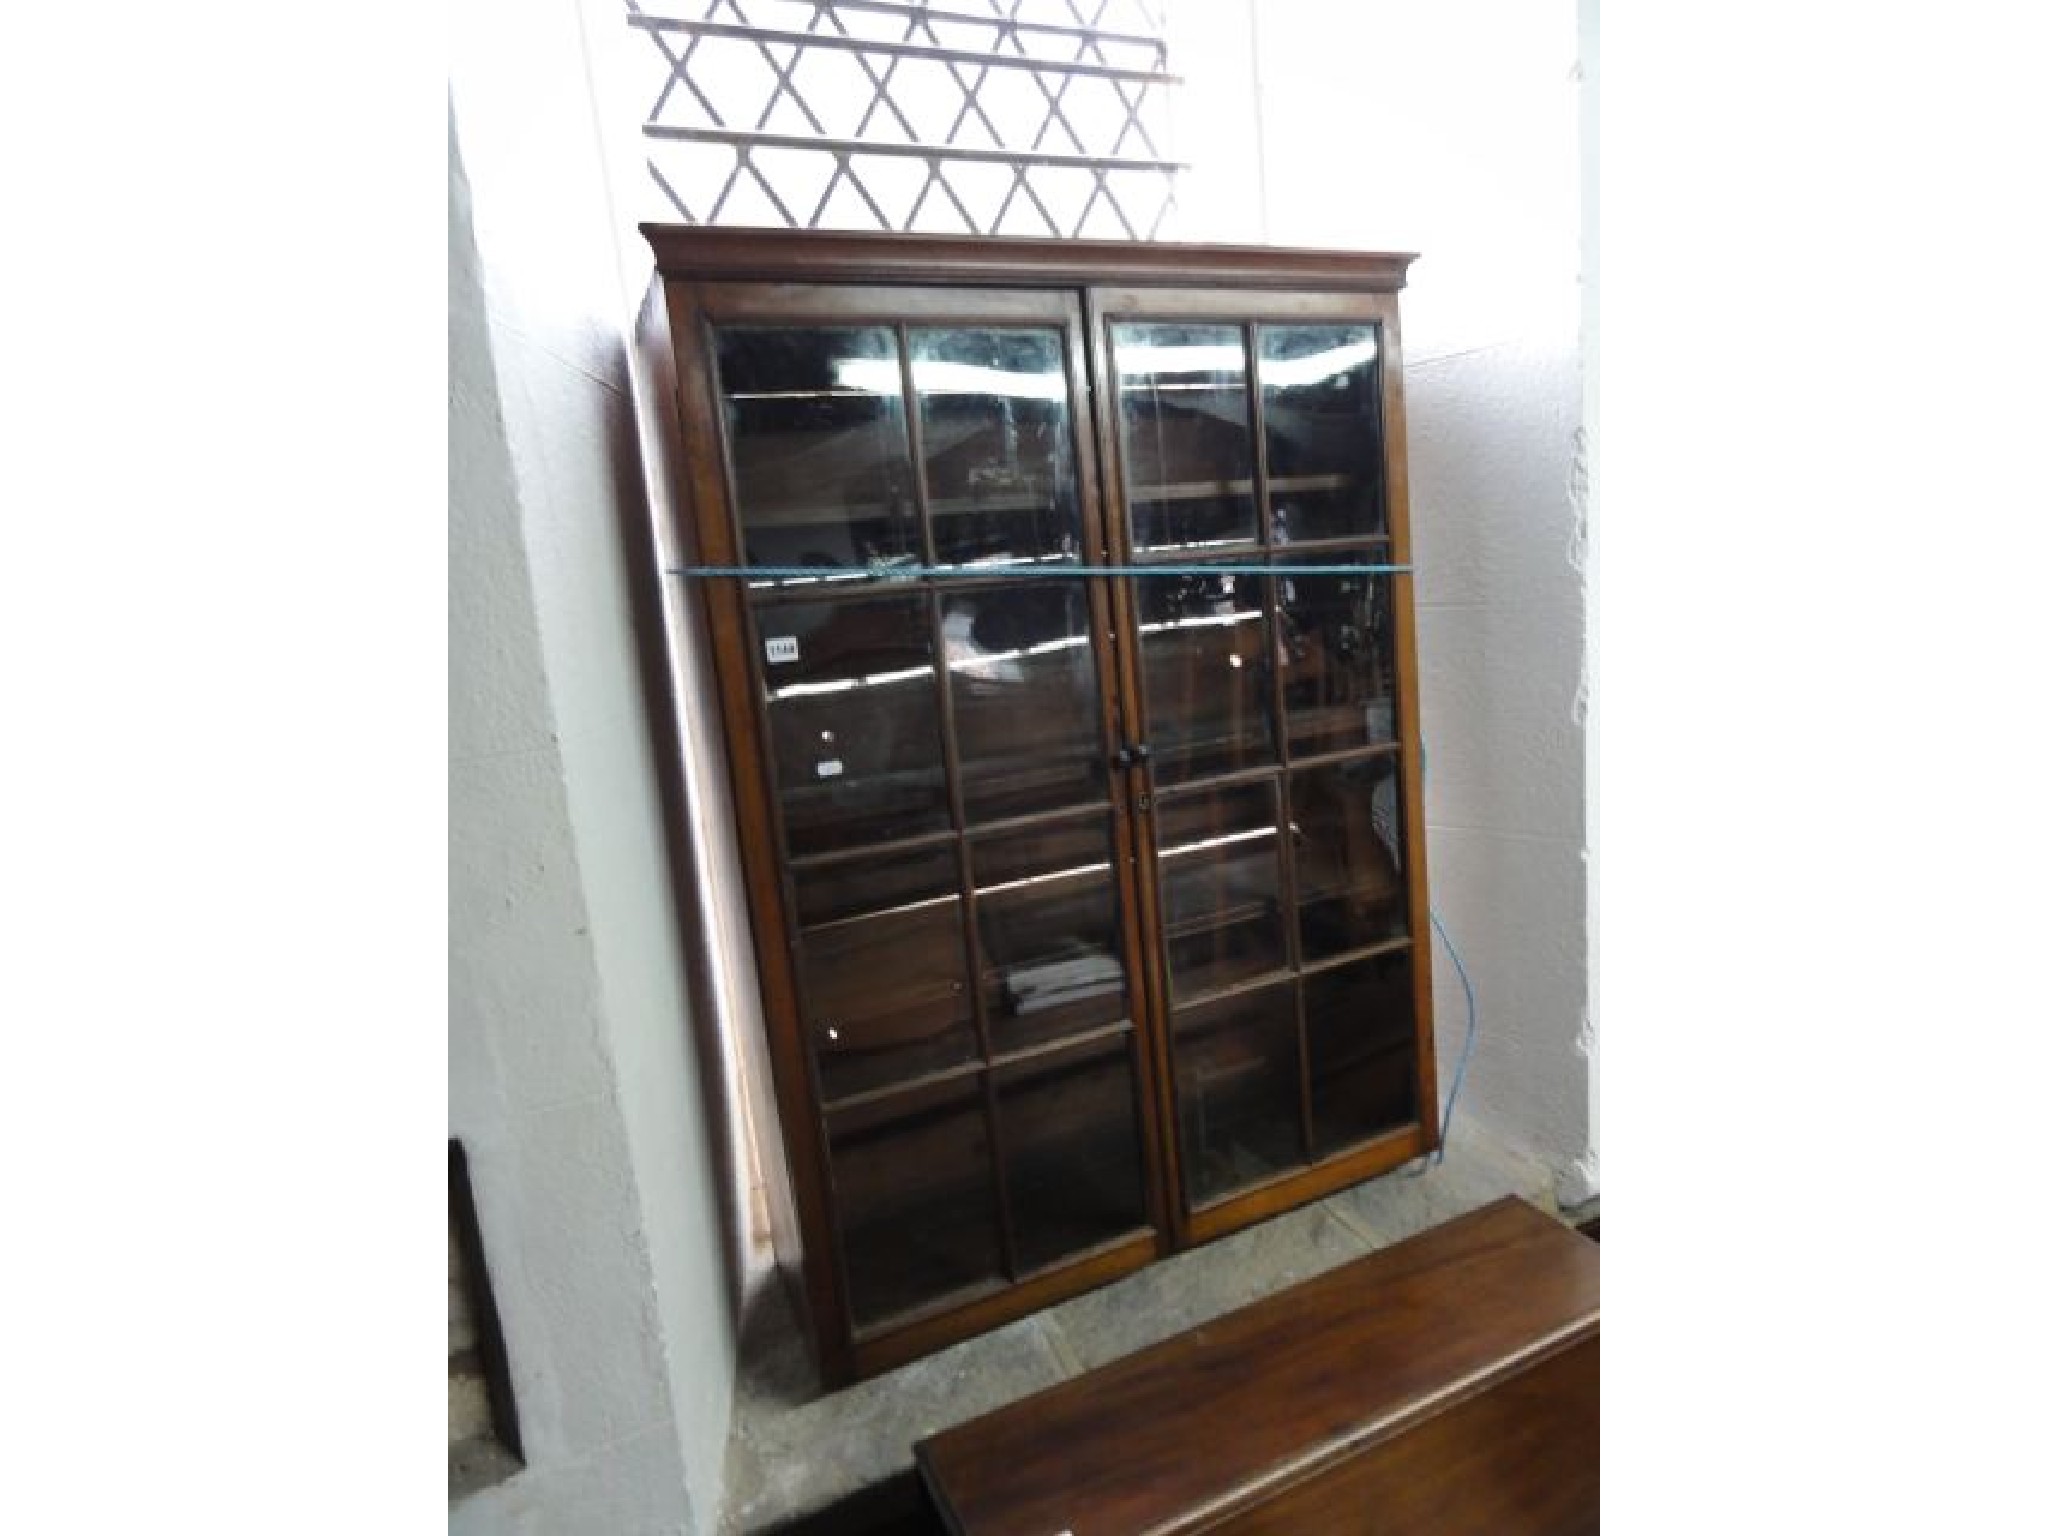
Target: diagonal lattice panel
[(987, 117)]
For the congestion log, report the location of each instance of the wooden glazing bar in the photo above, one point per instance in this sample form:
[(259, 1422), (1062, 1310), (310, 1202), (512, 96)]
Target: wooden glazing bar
[(949, 741), (911, 1087), (1291, 1188), (1276, 706), (920, 842), (883, 1346), (1364, 952)]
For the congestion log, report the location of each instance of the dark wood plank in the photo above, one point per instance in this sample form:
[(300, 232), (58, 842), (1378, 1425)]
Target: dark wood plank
[(820, 256), (1283, 1392), (1521, 1458)]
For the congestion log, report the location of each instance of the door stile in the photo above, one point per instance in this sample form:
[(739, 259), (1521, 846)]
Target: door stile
[(713, 539), (1141, 865), (1408, 713)]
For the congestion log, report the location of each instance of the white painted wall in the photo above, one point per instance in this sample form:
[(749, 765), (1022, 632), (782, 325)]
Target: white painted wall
[(1589, 347), (1451, 128), (574, 1074)]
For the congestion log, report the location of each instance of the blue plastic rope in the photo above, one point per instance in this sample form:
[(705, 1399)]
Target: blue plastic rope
[(1471, 1033), (1471, 1008), (1051, 570)]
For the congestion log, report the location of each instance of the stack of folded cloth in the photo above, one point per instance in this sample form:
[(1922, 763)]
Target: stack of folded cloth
[(1055, 982)]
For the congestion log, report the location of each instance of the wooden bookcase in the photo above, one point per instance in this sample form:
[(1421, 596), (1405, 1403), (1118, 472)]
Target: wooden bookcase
[(1084, 861)]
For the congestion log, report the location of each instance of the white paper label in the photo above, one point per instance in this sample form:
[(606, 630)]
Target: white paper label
[(781, 648), (831, 768)]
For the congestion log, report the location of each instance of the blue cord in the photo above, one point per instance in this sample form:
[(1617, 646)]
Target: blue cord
[(1471, 1009), (1471, 1033)]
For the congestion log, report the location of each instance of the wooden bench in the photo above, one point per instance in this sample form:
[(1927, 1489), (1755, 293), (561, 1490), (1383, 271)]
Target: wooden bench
[(1447, 1384)]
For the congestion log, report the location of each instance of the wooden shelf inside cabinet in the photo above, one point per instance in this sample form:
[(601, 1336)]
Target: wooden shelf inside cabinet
[(982, 930), (1208, 490), (805, 515)]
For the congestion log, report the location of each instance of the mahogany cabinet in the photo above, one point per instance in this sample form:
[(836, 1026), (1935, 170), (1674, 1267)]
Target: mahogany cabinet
[(1058, 602)]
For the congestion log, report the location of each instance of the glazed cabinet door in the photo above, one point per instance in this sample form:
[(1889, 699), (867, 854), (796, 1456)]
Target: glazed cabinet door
[(1278, 771), (941, 854)]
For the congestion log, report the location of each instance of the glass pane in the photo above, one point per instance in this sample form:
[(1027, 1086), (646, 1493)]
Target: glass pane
[(1187, 438), (1070, 1134), (1319, 386), (885, 991), (853, 715), (1337, 657), (1347, 855), (874, 882), (998, 446), (911, 1186), (1219, 879), (820, 457), (1025, 715), (1202, 644), (1361, 1051), (1047, 905), (1238, 1081)]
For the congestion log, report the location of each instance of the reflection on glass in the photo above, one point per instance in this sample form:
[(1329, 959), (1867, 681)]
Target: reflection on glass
[(1337, 656), (998, 447), (853, 716), (874, 882), (1022, 672), (1202, 643), (911, 1189), (1047, 907), (1070, 1140), (1319, 387), (1238, 1084), (820, 457), (1347, 855), (1187, 447), (1361, 1051), (1219, 878), (885, 988)]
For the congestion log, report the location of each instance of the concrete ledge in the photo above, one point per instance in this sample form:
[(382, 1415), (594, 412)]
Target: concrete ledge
[(796, 1452)]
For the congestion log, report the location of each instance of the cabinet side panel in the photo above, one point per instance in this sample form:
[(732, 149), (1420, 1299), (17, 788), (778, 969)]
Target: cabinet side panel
[(736, 1002), (708, 539), (1409, 705)]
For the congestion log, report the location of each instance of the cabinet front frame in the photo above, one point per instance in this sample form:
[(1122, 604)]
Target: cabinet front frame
[(779, 295)]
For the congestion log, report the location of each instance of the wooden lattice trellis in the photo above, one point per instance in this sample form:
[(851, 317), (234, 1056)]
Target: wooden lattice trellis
[(1011, 117)]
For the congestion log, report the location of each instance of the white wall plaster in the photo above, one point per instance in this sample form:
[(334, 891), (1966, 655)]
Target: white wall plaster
[(1585, 1181), (574, 1075), (1453, 129), (532, 1090)]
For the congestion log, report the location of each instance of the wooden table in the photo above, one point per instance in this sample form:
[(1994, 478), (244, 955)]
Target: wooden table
[(1447, 1384)]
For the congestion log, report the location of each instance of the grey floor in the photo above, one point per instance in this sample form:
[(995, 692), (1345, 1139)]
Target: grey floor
[(795, 1451)]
